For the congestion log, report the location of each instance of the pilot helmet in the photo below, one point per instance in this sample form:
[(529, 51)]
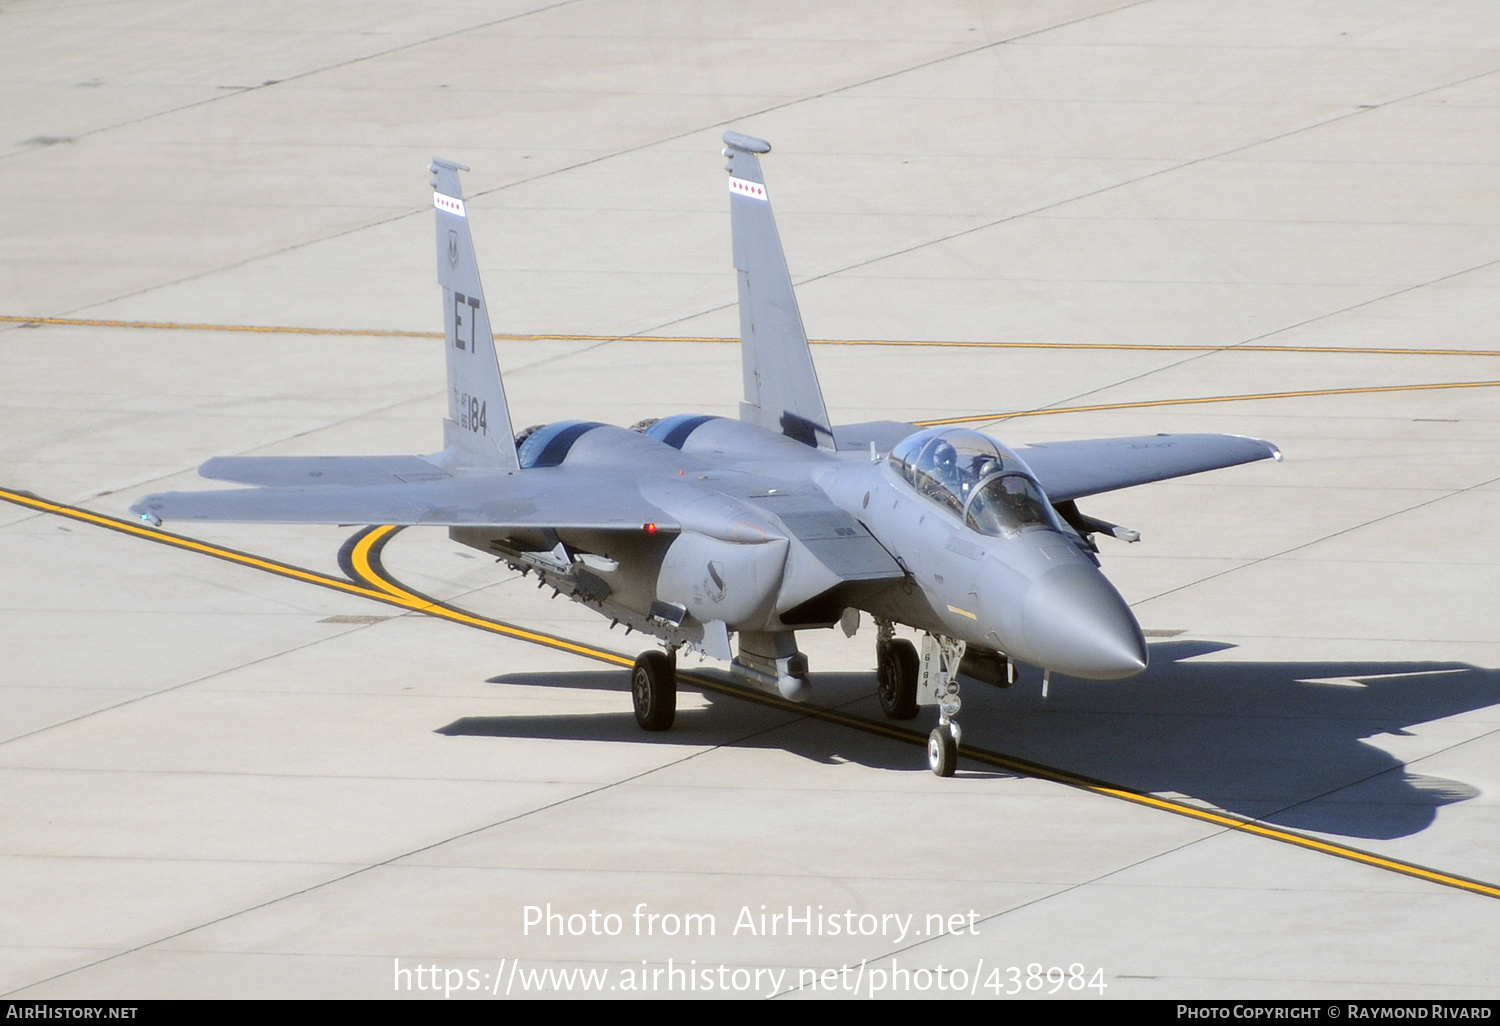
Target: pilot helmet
[(945, 457)]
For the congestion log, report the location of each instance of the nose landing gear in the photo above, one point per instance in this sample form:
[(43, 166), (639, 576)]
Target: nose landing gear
[(905, 681), (938, 685)]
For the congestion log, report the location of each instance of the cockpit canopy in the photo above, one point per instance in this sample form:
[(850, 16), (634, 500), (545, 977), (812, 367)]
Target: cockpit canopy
[(979, 480)]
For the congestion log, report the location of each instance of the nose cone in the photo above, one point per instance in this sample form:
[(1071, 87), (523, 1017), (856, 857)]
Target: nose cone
[(1074, 622)]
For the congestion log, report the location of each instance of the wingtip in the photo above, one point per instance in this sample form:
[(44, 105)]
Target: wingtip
[(144, 513), (1271, 448)]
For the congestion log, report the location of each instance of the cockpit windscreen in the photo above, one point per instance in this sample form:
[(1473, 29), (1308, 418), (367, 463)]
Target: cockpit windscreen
[(1006, 504)]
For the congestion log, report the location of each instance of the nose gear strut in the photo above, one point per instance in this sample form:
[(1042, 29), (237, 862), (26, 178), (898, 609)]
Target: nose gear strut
[(937, 684)]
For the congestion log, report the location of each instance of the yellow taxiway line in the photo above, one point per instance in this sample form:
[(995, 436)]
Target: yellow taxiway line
[(91, 322), (141, 530), (975, 418), (363, 558), (935, 343)]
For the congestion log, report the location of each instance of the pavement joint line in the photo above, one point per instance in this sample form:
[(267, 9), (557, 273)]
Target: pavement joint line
[(309, 72), (1403, 767), (362, 554), (1189, 162), (383, 863), (1318, 541), (1164, 170), (143, 696), (1058, 891), (1145, 176), (360, 869), (731, 121), (1248, 343), (1147, 347), (1361, 109)]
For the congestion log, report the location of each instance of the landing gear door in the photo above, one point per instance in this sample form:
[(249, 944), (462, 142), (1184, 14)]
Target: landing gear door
[(939, 666)]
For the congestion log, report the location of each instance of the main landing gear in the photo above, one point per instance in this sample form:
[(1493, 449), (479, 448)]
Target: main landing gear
[(653, 688), (896, 669)]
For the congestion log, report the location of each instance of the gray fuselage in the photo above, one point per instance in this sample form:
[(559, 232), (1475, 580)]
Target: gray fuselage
[(743, 556)]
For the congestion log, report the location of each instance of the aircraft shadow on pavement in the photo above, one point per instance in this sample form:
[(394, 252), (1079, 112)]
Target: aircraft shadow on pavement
[(724, 721), (1294, 744)]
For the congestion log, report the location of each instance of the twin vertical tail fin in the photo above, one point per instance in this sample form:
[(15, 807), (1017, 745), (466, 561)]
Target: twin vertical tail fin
[(477, 433), (781, 386)]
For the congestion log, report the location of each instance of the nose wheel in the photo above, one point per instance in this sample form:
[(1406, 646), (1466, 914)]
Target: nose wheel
[(653, 689), (942, 750)]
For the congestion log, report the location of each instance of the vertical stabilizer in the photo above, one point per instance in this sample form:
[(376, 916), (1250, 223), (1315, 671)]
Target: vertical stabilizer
[(477, 432), (781, 386)]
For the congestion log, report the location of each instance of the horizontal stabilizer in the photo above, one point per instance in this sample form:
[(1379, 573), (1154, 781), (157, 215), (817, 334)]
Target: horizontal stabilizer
[(1071, 470), (558, 499), (292, 471)]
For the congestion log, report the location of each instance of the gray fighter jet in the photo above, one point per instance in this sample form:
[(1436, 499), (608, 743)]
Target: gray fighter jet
[(728, 536)]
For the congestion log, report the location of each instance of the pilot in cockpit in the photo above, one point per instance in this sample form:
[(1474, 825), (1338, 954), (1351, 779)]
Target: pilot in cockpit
[(945, 466)]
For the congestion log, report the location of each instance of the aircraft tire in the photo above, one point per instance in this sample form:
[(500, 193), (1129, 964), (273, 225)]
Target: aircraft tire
[(897, 666), (942, 751), (653, 688)]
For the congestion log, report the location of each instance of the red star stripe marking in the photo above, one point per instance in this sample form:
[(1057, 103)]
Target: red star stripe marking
[(448, 203), (752, 189)]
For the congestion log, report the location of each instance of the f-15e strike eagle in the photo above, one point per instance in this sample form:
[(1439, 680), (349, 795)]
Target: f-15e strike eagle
[(728, 536)]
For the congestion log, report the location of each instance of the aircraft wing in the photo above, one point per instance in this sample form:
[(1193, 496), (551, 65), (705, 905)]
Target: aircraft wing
[(538, 498), (838, 541), (1071, 470), (883, 434)]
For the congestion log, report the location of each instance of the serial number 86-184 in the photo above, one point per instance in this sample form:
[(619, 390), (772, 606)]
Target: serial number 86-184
[(471, 413)]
